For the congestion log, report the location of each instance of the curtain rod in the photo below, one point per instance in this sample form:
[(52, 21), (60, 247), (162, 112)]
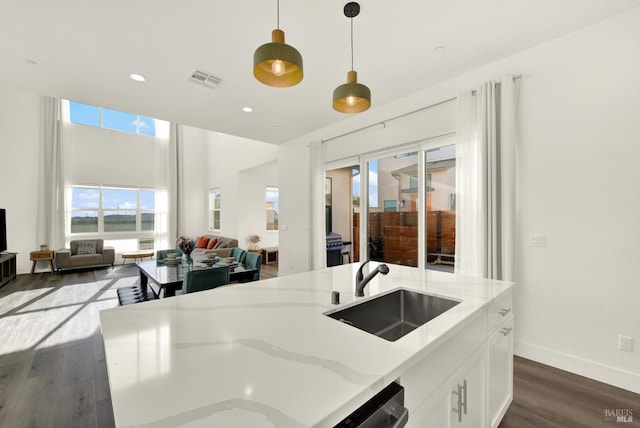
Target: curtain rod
[(383, 122)]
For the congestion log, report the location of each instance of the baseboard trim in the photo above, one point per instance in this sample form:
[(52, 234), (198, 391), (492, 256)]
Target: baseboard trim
[(580, 366)]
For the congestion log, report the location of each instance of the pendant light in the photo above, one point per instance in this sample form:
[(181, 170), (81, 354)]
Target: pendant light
[(277, 63), (352, 97)]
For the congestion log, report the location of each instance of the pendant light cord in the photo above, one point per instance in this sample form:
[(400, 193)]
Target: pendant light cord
[(351, 43), (278, 20)]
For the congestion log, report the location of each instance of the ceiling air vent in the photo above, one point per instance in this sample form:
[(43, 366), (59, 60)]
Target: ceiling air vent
[(206, 79)]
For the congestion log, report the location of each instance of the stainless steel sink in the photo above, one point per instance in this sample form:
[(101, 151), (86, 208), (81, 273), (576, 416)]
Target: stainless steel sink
[(395, 314)]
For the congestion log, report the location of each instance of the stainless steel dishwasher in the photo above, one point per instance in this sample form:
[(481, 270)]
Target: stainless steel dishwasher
[(385, 410)]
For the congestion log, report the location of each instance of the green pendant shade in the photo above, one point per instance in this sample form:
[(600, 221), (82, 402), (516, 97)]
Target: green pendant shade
[(351, 97), (278, 64)]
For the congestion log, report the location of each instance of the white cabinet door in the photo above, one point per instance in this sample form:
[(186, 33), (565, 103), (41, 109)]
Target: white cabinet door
[(459, 402), (500, 379)]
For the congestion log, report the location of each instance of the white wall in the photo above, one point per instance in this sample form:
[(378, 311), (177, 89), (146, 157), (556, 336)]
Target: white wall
[(19, 153), (252, 215), (577, 184), (195, 154), (241, 169)]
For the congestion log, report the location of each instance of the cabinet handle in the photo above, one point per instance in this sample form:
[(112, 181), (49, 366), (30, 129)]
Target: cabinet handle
[(458, 410), (506, 331), (504, 312), (464, 401)]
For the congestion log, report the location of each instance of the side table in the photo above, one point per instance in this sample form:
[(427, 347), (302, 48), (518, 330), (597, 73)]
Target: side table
[(34, 256), (270, 255)]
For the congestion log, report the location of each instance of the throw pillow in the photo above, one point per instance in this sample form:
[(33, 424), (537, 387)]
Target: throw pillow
[(202, 242), (222, 245), (87, 247), (212, 242)]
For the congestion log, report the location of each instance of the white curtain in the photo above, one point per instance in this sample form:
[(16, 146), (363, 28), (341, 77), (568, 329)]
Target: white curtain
[(485, 180), (54, 191), (167, 184), (317, 153)]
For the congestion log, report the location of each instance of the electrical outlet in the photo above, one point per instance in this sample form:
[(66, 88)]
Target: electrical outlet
[(625, 343), (537, 241)]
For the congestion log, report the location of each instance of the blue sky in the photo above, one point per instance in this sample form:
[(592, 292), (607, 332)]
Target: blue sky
[(124, 199), (86, 114)]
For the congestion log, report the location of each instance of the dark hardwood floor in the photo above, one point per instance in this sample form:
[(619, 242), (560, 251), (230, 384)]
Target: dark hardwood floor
[(546, 397), (53, 372)]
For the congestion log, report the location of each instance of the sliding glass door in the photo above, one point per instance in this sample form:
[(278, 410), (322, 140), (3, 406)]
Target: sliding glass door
[(392, 209), (378, 210), (342, 211), (440, 206)]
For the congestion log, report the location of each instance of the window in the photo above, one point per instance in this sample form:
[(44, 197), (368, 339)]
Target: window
[(101, 209), (214, 209), (84, 212), (272, 208), (100, 117)]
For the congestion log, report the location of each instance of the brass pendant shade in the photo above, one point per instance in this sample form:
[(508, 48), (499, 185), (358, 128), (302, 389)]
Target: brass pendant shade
[(278, 64), (352, 97)]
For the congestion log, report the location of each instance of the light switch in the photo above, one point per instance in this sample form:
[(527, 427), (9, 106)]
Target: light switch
[(537, 240)]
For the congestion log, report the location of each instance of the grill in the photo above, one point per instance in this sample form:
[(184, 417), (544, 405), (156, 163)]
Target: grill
[(334, 249)]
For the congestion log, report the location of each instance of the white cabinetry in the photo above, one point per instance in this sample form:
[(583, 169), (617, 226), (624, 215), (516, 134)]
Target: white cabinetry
[(468, 380), (500, 360), (459, 401)]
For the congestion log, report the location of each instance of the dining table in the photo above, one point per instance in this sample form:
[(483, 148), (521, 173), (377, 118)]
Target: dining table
[(167, 275)]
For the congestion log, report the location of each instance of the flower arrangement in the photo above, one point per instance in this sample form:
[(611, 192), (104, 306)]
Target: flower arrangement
[(186, 244), (254, 239)]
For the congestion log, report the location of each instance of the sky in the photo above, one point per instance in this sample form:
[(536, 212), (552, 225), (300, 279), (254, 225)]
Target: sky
[(86, 114), (373, 184), (124, 199)]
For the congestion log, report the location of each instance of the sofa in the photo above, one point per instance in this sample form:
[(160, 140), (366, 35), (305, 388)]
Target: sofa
[(84, 253), (219, 245)]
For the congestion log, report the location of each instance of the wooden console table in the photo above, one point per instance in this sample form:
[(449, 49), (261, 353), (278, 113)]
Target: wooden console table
[(7, 267), (34, 256)]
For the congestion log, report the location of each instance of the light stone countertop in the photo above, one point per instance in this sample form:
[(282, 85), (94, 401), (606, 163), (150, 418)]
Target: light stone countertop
[(262, 354)]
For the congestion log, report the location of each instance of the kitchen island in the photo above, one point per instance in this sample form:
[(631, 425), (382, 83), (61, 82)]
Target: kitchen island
[(263, 354)]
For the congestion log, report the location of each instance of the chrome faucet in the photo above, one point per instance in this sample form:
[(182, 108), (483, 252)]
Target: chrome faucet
[(361, 280)]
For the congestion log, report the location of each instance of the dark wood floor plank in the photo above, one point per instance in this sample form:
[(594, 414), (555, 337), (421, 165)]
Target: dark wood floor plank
[(545, 396)]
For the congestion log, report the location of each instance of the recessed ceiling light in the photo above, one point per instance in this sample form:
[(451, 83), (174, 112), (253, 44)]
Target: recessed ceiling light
[(137, 77), (30, 61), (276, 126), (439, 49), (247, 109)]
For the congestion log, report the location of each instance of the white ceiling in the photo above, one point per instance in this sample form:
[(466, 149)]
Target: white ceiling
[(85, 50)]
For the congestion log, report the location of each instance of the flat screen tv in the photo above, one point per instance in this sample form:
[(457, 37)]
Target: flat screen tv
[(3, 230)]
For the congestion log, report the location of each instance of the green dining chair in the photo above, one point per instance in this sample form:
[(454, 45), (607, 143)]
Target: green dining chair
[(238, 254), (253, 261), (162, 254), (205, 279)]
